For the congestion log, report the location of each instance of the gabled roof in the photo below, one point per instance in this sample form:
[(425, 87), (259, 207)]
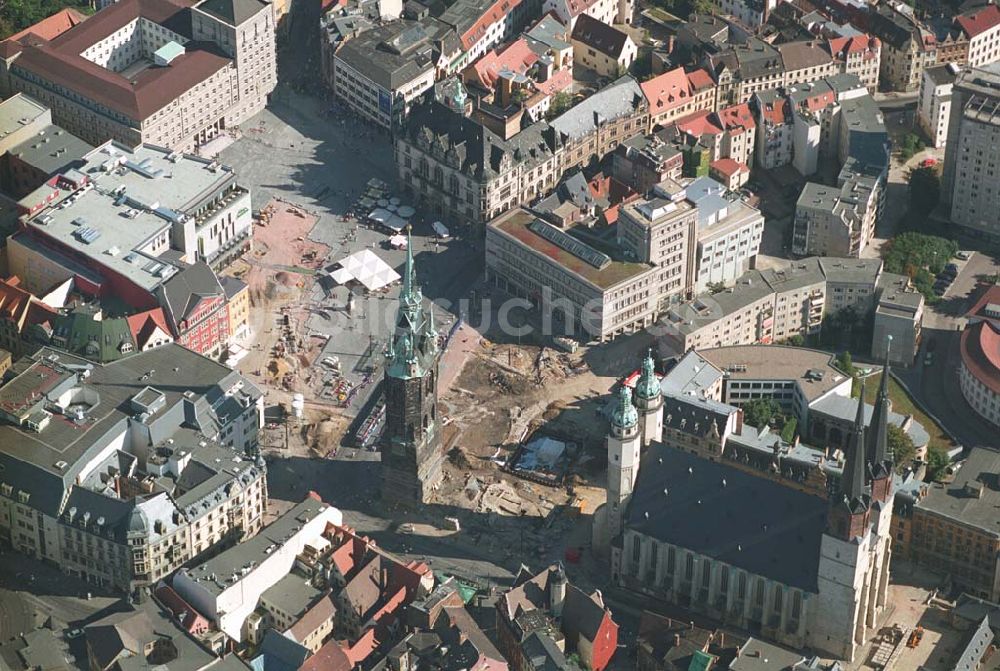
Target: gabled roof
[(979, 21), (184, 291), (698, 124), (516, 58), (144, 324), (600, 36), (53, 26), (840, 47), (737, 116), (730, 515), (583, 614), (667, 91)]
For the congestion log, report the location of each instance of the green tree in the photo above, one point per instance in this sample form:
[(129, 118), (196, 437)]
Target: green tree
[(920, 257), (910, 146), (937, 462), (901, 446), (561, 102), (759, 411), (788, 430), (924, 189), (796, 340), (846, 363)]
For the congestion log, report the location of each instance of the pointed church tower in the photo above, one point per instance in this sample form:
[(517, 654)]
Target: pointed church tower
[(848, 514), (623, 460), (852, 575), (649, 402), (880, 461), (411, 444)]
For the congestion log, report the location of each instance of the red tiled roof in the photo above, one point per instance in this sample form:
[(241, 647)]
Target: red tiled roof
[(53, 26), (841, 46), (59, 61), (728, 167), (666, 91), (559, 81), (978, 22), (330, 657), (700, 79), (362, 648), (21, 307), (776, 113), (517, 57), (737, 116), (190, 619), (143, 324), (698, 124), (980, 349), (496, 13)]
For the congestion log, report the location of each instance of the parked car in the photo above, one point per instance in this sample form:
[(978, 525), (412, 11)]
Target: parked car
[(928, 163), (965, 256), (951, 268), (74, 633)]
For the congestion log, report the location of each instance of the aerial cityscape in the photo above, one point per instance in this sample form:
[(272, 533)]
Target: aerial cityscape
[(489, 335)]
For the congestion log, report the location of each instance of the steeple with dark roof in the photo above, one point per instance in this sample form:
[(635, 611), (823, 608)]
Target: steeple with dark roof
[(880, 462), (852, 483), (849, 510)]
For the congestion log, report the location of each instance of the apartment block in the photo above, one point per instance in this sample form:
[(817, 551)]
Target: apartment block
[(728, 237), (773, 305), (153, 71), (908, 46), (934, 103), (120, 483), (970, 182)]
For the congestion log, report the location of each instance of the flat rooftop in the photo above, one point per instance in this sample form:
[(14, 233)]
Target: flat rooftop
[(777, 362), (17, 112), (136, 197), (707, 309), (232, 561), (51, 150), (516, 225), (293, 594), (974, 495)]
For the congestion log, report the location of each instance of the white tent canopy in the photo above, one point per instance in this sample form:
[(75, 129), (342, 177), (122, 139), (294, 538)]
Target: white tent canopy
[(367, 268)]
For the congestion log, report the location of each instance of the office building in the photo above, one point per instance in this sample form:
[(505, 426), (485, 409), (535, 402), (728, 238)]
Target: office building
[(152, 71)]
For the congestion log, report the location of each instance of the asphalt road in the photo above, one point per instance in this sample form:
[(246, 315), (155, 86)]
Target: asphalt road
[(937, 385)]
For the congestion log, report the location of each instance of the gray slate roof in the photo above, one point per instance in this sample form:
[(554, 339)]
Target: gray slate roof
[(750, 523), (619, 99), (233, 12)]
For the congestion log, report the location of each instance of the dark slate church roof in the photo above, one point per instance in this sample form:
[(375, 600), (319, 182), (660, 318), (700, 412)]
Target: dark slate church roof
[(751, 523)]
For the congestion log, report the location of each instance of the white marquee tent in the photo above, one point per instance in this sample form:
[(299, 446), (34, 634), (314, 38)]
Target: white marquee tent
[(367, 268)]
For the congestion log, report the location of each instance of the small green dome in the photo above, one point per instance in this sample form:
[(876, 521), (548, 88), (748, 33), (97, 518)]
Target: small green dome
[(625, 414), (647, 386)]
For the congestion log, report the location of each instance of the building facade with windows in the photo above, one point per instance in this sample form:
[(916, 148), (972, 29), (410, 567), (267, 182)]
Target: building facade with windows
[(122, 472), (160, 72)]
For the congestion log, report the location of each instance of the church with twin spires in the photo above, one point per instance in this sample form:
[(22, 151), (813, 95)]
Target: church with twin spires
[(755, 552)]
